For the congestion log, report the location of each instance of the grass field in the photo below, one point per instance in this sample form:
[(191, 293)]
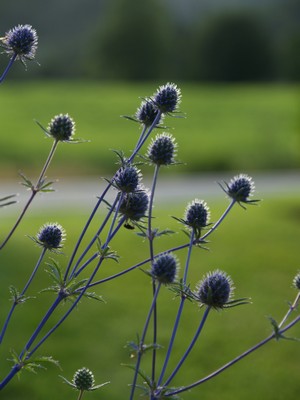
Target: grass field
[(226, 127), (257, 247)]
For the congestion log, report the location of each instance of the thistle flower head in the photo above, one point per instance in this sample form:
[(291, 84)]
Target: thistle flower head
[(240, 189), (61, 127), (50, 236), (164, 268), (146, 113), (197, 215), (162, 149), (215, 289), (167, 98), (134, 205), (22, 41), (127, 179), (83, 379), (296, 281)]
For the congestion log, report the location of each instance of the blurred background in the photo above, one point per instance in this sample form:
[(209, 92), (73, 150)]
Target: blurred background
[(237, 63)]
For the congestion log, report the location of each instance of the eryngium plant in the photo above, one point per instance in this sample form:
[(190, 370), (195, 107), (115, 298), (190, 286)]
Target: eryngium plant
[(132, 208)]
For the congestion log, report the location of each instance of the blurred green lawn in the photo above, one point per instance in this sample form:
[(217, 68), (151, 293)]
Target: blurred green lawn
[(257, 247), (227, 127)]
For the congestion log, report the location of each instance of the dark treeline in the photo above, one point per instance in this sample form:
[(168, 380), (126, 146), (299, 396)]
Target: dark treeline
[(143, 40)]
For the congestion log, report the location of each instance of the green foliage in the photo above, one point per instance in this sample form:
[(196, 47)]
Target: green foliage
[(228, 127)]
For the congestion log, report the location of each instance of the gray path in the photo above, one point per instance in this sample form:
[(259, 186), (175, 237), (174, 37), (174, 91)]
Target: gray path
[(83, 192)]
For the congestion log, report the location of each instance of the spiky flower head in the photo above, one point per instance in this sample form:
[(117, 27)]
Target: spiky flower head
[(22, 41), (83, 379), (215, 289), (167, 98), (162, 149), (164, 268), (197, 215), (61, 127), (51, 236), (296, 281), (134, 205), (240, 188), (127, 179), (146, 113)]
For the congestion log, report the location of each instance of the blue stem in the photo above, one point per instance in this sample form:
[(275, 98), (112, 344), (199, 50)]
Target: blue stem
[(21, 295), (141, 344), (201, 325), (141, 141), (8, 67), (235, 360), (34, 191), (66, 314), (81, 293), (83, 232), (179, 313), (151, 248), (214, 227), (92, 241), (145, 137)]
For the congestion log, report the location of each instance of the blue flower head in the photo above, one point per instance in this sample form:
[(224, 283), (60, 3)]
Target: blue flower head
[(167, 98), (197, 215), (61, 127), (240, 188), (296, 281), (164, 268), (50, 236), (162, 149), (215, 289), (135, 205), (146, 113), (127, 179), (21, 41)]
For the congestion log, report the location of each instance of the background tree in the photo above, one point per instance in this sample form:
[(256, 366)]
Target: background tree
[(133, 42), (232, 47)]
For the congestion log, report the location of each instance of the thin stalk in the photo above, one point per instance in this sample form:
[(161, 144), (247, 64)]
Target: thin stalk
[(102, 226), (200, 327), (151, 248), (142, 135), (50, 311), (141, 344), (119, 199), (236, 359), (112, 234), (8, 67), (74, 304), (80, 395), (21, 295), (145, 137), (290, 310), (141, 141), (47, 163), (179, 313), (81, 293), (34, 190), (214, 227), (83, 232)]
